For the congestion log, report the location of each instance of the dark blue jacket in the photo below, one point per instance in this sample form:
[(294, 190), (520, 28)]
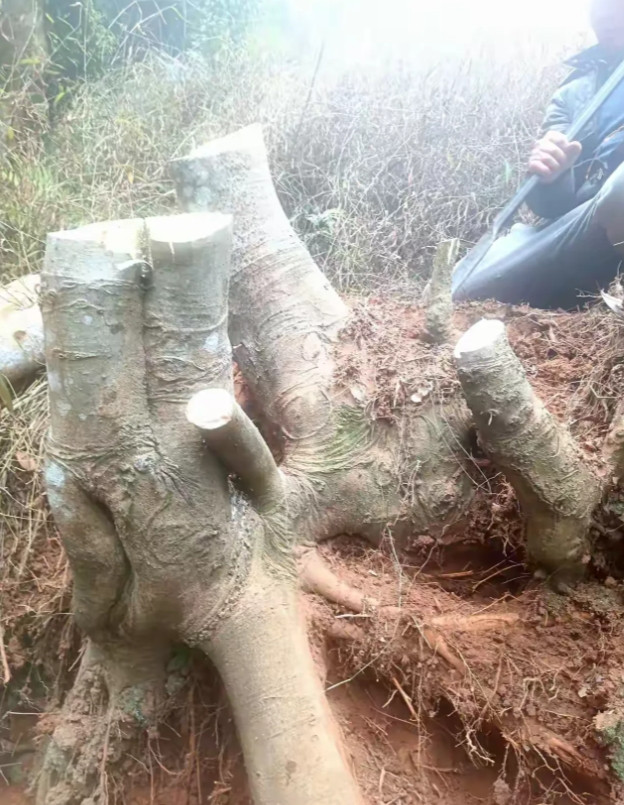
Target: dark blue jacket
[(590, 69)]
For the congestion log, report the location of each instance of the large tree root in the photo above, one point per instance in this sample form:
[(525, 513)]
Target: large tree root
[(145, 435), (118, 695), (557, 491), (293, 750)]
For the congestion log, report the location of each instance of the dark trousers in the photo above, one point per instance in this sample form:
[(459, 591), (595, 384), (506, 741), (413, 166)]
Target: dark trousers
[(558, 263)]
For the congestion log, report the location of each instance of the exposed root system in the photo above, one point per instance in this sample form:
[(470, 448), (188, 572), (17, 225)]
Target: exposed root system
[(456, 676)]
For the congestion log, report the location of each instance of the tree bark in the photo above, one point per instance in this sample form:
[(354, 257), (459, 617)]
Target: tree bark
[(21, 331), (287, 322), (233, 437), (284, 314), (144, 432), (437, 297), (291, 743), (556, 490), (135, 316)]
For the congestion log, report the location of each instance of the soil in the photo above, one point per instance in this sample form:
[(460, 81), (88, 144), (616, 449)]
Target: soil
[(472, 684), (521, 675)]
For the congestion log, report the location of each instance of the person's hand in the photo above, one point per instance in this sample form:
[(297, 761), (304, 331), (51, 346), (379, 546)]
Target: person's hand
[(552, 155)]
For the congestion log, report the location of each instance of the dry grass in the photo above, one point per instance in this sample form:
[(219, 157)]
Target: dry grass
[(34, 575), (374, 166)]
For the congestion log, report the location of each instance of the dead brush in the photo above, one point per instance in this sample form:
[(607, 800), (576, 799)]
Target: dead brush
[(34, 575), (374, 165), (600, 392)]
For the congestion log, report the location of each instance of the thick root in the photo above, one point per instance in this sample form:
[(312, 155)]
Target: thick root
[(557, 492), (315, 576), (73, 767), (292, 746), (318, 578), (116, 696)]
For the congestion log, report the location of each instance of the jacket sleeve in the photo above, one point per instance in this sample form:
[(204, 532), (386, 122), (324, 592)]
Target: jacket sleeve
[(555, 199)]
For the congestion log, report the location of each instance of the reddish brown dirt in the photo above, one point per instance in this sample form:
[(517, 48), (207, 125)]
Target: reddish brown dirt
[(557, 665), (575, 361), (494, 704), (507, 700), (11, 795)]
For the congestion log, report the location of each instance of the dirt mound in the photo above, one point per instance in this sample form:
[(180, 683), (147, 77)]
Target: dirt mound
[(575, 361), (472, 683)]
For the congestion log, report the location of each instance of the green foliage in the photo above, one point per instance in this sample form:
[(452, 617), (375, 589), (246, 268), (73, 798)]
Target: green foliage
[(81, 44), (613, 736)]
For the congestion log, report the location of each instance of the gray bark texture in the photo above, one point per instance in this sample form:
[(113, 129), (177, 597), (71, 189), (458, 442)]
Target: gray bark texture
[(284, 314), (234, 438), (135, 316), (437, 298), (557, 492), (285, 323)]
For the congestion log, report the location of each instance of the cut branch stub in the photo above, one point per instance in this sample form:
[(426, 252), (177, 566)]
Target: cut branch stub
[(235, 440), (90, 299), (557, 492), (21, 331), (135, 316), (186, 309), (438, 299)]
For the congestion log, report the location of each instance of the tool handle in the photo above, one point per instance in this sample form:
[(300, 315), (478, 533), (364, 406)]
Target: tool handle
[(505, 216)]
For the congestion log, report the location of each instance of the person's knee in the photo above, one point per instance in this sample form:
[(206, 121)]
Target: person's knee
[(610, 207)]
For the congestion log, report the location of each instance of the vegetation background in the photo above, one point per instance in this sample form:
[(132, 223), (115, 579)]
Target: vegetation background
[(379, 147)]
